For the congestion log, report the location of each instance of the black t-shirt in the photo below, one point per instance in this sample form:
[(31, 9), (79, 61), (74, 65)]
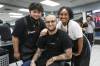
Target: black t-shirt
[(28, 30), (54, 44)]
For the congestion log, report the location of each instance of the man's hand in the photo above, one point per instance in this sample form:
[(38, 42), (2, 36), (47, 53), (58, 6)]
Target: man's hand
[(32, 63), (50, 61), (17, 55)]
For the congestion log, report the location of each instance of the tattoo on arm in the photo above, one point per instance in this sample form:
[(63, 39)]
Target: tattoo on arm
[(64, 56), (37, 54)]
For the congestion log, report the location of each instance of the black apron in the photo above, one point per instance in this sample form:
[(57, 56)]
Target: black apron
[(84, 58), (29, 45)]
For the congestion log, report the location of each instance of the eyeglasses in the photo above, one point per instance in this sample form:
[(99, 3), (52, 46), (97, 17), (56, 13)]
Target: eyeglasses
[(52, 21)]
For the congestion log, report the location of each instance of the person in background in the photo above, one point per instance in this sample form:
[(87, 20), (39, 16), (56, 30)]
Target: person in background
[(8, 24), (1, 22), (74, 31), (5, 32), (26, 32), (90, 29), (6, 39)]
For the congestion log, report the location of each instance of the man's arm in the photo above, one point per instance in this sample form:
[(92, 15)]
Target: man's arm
[(64, 56), (15, 41), (37, 54)]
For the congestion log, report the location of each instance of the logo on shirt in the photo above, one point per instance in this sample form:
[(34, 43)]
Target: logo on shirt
[(31, 32)]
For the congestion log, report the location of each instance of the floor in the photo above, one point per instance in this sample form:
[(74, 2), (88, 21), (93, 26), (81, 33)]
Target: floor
[(95, 56)]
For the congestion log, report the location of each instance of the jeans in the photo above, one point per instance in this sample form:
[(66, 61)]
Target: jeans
[(27, 63)]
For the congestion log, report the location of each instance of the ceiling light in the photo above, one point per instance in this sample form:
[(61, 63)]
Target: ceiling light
[(50, 3), (1, 5), (15, 13), (2, 13), (98, 10), (17, 16), (24, 10)]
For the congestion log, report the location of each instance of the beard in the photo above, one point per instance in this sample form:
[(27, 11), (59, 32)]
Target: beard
[(51, 30)]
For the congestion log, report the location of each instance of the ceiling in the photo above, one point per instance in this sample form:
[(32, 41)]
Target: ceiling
[(14, 5)]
